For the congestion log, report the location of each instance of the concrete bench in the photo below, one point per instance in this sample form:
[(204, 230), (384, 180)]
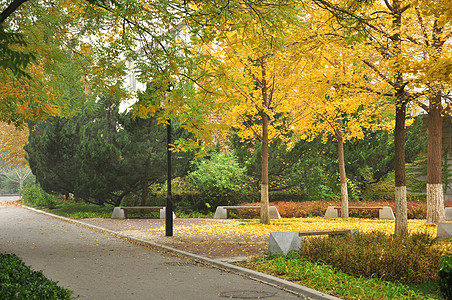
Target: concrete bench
[(121, 211), (222, 211), (283, 242), (448, 211), (384, 212)]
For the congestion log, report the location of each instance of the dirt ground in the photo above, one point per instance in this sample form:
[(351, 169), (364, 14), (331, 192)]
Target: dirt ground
[(188, 235)]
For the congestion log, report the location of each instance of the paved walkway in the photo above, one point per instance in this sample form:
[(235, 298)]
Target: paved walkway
[(99, 266)]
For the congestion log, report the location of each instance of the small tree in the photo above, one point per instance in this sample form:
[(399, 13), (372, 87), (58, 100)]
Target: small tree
[(218, 178)]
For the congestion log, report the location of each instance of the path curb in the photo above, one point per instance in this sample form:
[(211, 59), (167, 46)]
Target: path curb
[(265, 278)]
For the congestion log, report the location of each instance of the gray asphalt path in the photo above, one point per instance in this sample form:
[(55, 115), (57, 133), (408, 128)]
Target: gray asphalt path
[(98, 266), (8, 198)]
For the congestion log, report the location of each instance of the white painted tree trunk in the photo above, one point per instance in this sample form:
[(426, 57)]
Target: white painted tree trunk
[(344, 200), (435, 204), (401, 221), (265, 216)]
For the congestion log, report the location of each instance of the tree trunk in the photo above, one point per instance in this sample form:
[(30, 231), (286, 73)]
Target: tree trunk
[(435, 201), (145, 187), (265, 218), (342, 174), (401, 222)]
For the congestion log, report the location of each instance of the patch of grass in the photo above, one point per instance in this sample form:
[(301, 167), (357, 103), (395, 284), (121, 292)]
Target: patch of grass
[(18, 281), (194, 214), (76, 210), (326, 279)]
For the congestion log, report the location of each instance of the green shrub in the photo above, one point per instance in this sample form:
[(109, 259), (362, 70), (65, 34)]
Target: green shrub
[(218, 179), (445, 277), (35, 196), (378, 196), (18, 281), (409, 259)]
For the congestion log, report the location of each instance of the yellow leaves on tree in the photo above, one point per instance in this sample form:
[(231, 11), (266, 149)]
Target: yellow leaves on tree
[(25, 99), (254, 70), (12, 142)]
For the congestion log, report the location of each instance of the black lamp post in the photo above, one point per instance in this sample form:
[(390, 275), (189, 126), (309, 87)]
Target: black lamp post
[(169, 196)]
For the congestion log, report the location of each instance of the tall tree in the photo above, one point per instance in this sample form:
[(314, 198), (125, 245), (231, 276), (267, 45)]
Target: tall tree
[(253, 73), (384, 26), (432, 41)]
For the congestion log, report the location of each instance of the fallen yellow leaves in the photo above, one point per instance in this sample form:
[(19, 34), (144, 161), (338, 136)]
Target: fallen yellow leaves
[(253, 227)]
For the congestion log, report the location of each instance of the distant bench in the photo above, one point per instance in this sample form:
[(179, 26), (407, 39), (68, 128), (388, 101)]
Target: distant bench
[(283, 242), (384, 212), (121, 211), (222, 211)]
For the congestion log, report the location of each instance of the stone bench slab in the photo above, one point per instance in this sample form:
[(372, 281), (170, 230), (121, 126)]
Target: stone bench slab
[(284, 242), (222, 211), (384, 212), (121, 212)]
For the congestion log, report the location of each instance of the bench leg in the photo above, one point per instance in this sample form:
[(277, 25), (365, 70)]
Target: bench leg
[(283, 242), (163, 214), (331, 212), (221, 213), (448, 211), (386, 213), (444, 231), (273, 213), (118, 213)]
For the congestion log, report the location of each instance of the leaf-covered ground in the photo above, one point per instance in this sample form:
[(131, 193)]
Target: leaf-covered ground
[(238, 238)]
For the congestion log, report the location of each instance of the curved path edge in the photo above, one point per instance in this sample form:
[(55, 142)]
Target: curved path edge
[(265, 278)]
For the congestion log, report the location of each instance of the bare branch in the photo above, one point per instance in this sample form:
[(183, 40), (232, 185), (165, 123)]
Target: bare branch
[(12, 7)]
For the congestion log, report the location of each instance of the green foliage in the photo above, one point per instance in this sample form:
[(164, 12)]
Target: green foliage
[(445, 277), (409, 259), (218, 179), (311, 166), (330, 280), (79, 210), (35, 196), (101, 155), (14, 60), (19, 281)]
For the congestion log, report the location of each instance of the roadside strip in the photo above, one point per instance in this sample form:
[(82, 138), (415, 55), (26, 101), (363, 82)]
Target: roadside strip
[(258, 276)]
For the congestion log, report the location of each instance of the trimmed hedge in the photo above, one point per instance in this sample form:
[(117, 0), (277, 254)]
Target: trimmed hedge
[(416, 210), (18, 281)]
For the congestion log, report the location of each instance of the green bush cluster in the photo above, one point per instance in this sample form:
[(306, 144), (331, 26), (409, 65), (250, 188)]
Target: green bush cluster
[(35, 196), (376, 196), (445, 277), (409, 259), (18, 281)]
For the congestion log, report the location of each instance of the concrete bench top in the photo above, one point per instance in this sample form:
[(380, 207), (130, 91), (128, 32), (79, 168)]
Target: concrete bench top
[(240, 207), (141, 207), (326, 232), (361, 207), (121, 211), (222, 211), (384, 212), (283, 242)]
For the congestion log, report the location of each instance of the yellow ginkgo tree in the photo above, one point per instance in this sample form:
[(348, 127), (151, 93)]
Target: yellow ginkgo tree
[(344, 101), (254, 73)]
